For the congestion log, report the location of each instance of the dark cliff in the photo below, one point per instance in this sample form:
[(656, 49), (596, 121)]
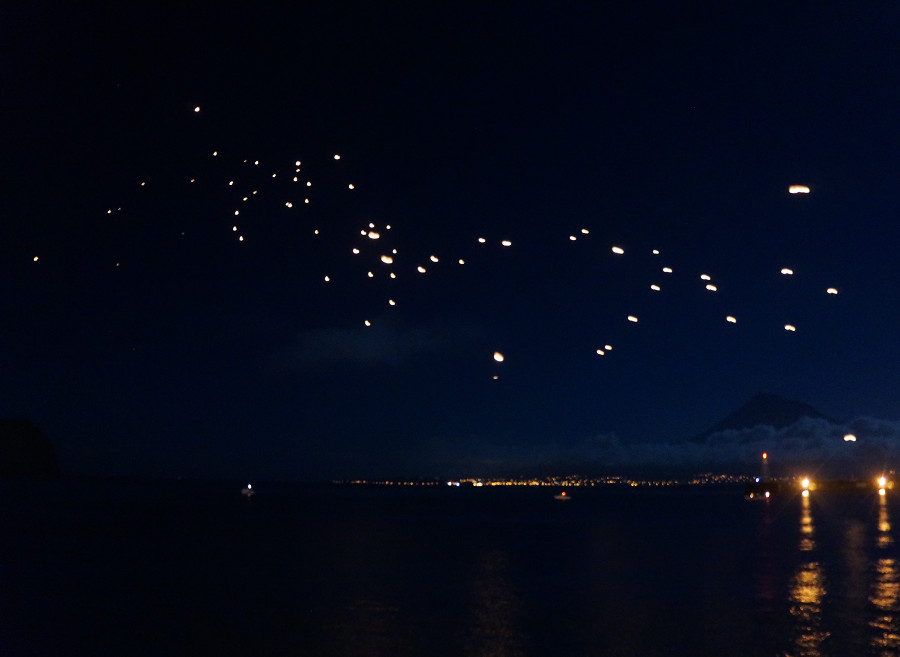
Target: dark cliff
[(25, 451)]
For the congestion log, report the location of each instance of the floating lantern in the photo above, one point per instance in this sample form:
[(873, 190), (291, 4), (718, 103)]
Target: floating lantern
[(711, 287), (498, 357), (618, 250), (386, 259), (787, 272), (831, 290), (790, 327), (667, 270), (632, 318), (798, 189), (730, 319), (654, 287), (506, 243)]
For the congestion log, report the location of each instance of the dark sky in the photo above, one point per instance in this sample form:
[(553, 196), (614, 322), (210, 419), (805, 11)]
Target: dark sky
[(151, 340)]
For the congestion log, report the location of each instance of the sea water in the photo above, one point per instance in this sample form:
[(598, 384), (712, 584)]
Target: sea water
[(90, 567)]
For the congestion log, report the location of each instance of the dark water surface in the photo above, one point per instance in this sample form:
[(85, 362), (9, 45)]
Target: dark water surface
[(187, 568)]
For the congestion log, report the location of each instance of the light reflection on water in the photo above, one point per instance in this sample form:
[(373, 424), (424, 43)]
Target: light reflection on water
[(885, 635), (496, 608), (807, 591)]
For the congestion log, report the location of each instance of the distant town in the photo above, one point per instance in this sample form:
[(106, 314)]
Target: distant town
[(556, 482)]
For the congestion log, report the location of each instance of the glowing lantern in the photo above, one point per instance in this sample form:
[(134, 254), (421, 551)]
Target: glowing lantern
[(655, 251), (607, 347), (388, 227), (461, 261), (289, 204), (506, 243), (618, 250), (309, 183), (295, 178), (367, 323), (391, 302), (600, 352), (498, 357), (798, 189), (790, 327), (386, 259), (730, 319), (327, 278), (370, 274), (35, 258), (481, 240), (297, 163), (584, 231), (217, 152), (849, 438), (787, 272), (350, 186), (765, 456), (371, 225), (197, 109), (237, 212), (654, 287), (831, 290), (667, 270), (373, 235), (632, 318), (711, 287), (705, 277), (355, 251), (241, 238), (420, 269), (230, 183), (393, 275), (434, 259), (337, 157), (256, 162), (572, 237)]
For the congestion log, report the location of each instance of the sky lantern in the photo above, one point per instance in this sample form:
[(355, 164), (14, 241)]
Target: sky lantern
[(373, 235), (607, 347), (197, 110), (234, 228), (434, 258), (350, 186), (386, 259), (420, 269), (654, 287), (35, 259), (461, 261), (367, 323), (711, 287), (655, 251), (600, 352), (481, 240), (572, 237), (632, 318), (618, 250), (392, 302), (849, 438), (705, 277), (730, 319), (585, 231), (337, 157), (506, 243), (370, 275), (798, 189), (297, 163), (327, 279), (790, 327), (355, 251), (667, 270), (831, 290), (498, 357), (787, 272)]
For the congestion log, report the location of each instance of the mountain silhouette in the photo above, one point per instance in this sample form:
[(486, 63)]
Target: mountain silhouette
[(764, 409)]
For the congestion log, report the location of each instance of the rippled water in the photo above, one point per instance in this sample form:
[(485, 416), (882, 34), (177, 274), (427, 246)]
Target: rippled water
[(186, 568)]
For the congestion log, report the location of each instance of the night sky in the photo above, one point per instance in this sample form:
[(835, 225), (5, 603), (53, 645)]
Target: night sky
[(150, 330)]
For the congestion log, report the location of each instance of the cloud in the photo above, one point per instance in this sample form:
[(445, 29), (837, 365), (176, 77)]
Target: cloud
[(807, 443), (385, 342)]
